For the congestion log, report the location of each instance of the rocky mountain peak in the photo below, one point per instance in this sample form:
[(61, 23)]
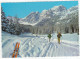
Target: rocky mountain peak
[(58, 8)]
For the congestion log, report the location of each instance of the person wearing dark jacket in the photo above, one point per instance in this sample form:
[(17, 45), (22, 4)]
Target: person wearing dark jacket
[(49, 36), (58, 36)]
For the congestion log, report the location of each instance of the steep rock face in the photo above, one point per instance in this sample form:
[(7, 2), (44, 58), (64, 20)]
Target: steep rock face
[(58, 8), (68, 23), (32, 17), (73, 8), (35, 17), (51, 15)]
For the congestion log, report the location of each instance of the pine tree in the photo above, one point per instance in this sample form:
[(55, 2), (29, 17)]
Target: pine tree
[(17, 26), (4, 21), (2, 14)]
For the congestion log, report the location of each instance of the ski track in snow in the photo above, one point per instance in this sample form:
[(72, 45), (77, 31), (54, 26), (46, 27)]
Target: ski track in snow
[(37, 46)]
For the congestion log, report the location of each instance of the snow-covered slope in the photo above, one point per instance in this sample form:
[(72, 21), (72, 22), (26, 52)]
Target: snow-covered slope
[(59, 8), (55, 13), (31, 18), (39, 46)]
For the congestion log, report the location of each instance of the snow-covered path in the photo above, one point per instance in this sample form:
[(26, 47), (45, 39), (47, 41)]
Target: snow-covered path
[(39, 46)]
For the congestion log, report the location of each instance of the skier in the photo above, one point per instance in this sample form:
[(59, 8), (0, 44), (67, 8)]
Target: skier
[(59, 35), (49, 36)]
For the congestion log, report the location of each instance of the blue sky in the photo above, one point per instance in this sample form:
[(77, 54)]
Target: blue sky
[(23, 9)]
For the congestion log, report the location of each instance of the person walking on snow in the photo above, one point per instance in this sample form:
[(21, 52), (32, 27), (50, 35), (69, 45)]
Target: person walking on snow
[(58, 36), (49, 36)]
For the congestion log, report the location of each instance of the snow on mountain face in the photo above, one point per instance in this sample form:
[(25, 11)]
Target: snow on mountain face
[(70, 12), (32, 17), (73, 8), (56, 13), (63, 15), (58, 8), (35, 17), (46, 14)]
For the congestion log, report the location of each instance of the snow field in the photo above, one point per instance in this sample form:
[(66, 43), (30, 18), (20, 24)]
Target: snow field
[(39, 46)]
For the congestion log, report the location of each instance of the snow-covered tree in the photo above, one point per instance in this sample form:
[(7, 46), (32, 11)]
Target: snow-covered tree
[(4, 21), (17, 29)]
